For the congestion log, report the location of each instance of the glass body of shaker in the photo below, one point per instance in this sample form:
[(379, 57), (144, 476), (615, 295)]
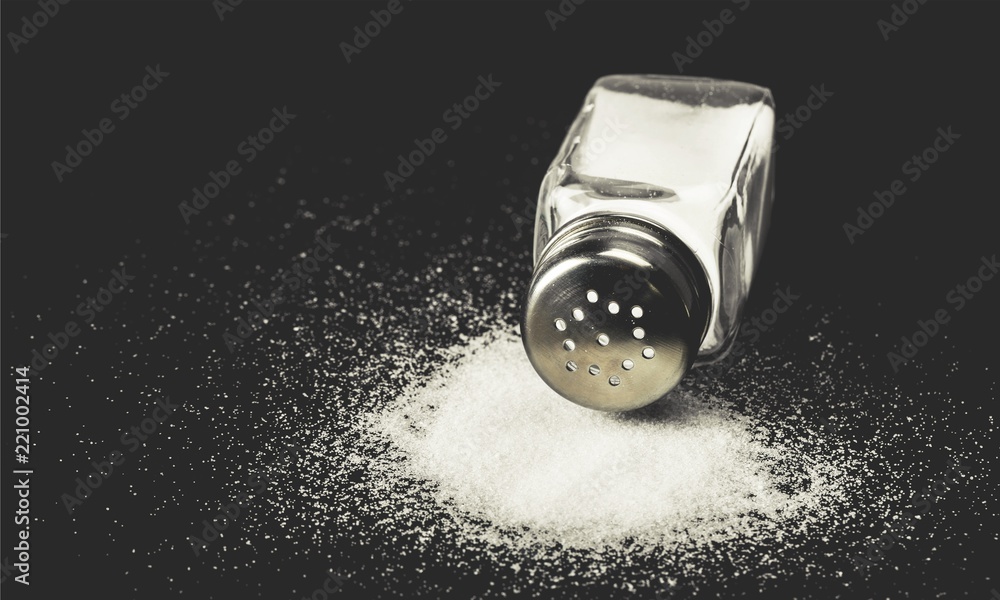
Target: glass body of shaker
[(692, 156)]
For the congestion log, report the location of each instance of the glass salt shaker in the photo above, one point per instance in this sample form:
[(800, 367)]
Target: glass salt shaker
[(649, 226)]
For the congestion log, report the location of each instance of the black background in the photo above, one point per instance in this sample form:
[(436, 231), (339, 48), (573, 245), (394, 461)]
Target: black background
[(352, 120)]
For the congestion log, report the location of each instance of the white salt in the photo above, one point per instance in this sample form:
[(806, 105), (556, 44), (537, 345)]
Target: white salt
[(674, 145), (500, 446), (477, 472)]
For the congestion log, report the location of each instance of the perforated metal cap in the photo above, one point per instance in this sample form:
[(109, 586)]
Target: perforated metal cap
[(615, 312)]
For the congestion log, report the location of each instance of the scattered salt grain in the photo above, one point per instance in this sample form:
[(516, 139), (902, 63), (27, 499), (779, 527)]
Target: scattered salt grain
[(500, 446)]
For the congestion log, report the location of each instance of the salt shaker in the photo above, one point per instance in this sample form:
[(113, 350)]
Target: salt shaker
[(649, 226)]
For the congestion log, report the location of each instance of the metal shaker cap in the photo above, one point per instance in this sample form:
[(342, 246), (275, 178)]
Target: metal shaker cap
[(615, 313)]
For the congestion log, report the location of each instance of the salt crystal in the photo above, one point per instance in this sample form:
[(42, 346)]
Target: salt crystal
[(499, 445)]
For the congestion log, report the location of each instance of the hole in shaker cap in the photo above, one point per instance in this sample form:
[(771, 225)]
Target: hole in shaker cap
[(560, 324), (603, 339), (569, 345), (613, 307), (627, 364), (578, 314), (614, 380), (639, 333), (594, 370), (571, 366), (591, 296), (637, 311), (648, 352)]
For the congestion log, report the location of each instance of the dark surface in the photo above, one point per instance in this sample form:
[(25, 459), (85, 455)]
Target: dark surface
[(164, 336)]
